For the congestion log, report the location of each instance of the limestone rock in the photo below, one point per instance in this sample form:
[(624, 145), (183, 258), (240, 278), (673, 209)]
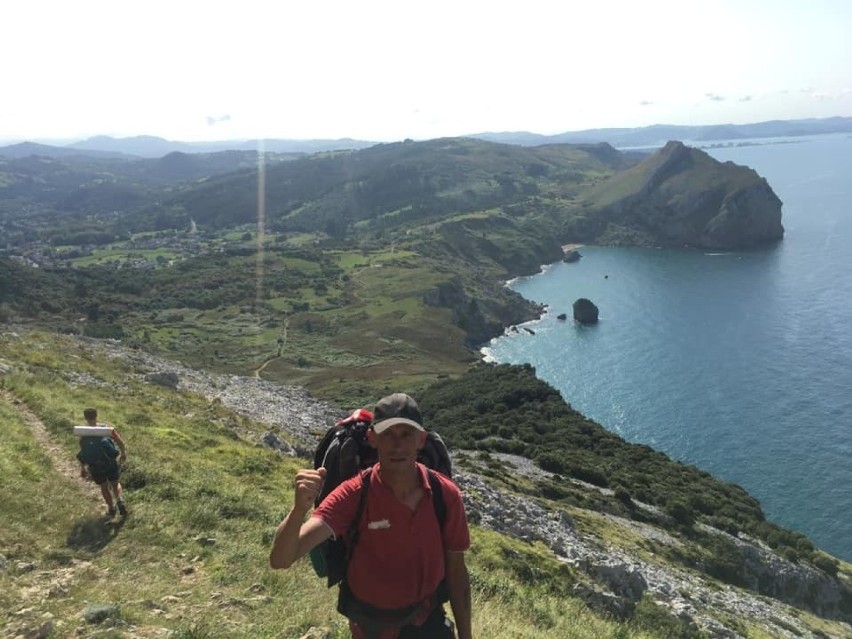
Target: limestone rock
[(167, 379), (98, 613), (276, 443)]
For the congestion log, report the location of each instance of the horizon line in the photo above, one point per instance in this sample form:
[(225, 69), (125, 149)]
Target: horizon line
[(53, 141)]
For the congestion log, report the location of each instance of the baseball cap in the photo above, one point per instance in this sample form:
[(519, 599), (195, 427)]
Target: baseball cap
[(398, 408)]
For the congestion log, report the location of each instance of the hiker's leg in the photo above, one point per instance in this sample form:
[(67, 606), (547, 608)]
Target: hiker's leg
[(119, 502), (116, 489), (107, 495)]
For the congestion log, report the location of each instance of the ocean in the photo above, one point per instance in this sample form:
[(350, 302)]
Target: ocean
[(739, 363)]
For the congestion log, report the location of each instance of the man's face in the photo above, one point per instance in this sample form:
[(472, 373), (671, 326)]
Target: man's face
[(398, 445)]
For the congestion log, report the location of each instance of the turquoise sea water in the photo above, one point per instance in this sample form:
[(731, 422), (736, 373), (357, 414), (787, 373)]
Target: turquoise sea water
[(737, 362)]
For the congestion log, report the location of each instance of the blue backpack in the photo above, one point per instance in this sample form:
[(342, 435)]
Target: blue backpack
[(98, 453)]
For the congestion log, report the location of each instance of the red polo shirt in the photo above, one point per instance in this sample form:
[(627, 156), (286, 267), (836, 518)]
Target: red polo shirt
[(399, 557)]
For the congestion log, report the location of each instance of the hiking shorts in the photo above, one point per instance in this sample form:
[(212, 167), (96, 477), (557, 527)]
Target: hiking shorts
[(436, 626), (99, 476)]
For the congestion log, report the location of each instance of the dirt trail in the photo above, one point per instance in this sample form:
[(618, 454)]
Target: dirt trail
[(258, 371), (282, 342), (64, 464), (33, 588)]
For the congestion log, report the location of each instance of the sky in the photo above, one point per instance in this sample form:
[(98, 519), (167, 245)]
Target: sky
[(379, 70)]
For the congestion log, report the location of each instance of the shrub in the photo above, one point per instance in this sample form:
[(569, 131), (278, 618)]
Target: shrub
[(552, 462), (589, 475), (828, 565), (681, 512), (623, 496), (724, 560), (655, 619), (103, 331)]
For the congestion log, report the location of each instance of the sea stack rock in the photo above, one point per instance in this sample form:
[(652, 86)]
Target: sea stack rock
[(585, 311), (572, 256)]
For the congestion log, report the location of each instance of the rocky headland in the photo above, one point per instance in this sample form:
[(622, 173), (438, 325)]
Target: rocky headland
[(680, 196)]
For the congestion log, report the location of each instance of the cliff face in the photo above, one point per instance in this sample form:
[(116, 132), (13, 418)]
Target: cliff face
[(748, 216), (682, 197)]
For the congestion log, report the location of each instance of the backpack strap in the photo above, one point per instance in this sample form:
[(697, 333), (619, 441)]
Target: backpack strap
[(440, 506), (354, 532), (437, 499), (322, 447)]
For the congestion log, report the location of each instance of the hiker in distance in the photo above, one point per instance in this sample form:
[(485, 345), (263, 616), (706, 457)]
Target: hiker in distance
[(401, 564), (98, 461)]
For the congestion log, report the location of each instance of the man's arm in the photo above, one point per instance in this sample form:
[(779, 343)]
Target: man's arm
[(292, 537), (458, 583), (120, 443)]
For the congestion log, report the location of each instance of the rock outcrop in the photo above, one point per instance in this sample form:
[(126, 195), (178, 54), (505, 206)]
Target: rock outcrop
[(585, 311), (571, 257), (680, 196), (482, 319)]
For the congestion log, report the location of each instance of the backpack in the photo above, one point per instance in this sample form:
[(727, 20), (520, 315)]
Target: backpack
[(98, 453), (344, 451)]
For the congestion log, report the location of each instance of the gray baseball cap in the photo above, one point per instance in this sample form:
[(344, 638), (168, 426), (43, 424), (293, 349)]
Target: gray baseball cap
[(398, 408)]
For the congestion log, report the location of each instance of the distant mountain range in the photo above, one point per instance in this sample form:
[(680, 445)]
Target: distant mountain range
[(642, 137), (658, 134), (146, 146)]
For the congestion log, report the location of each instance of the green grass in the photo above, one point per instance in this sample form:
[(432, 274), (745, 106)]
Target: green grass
[(118, 254), (205, 499), (352, 260), (192, 555)]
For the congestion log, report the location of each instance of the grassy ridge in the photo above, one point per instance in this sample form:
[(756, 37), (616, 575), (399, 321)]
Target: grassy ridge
[(204, 501)]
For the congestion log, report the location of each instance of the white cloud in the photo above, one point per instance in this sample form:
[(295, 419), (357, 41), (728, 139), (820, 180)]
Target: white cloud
[(213, 121)]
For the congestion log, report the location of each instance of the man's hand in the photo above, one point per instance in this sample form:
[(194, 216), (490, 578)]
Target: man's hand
[(293, 538), (308, 485)]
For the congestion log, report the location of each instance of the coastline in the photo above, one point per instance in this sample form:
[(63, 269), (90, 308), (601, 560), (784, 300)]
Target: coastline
[(484, 350)]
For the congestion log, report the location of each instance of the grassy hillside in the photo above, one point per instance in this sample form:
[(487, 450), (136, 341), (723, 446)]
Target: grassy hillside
[(205, 497), (204, 500), (335, 194), (82, 200), (393, 185), (338, 320)]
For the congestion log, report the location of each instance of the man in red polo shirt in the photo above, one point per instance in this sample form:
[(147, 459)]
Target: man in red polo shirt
[(394, 576)]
